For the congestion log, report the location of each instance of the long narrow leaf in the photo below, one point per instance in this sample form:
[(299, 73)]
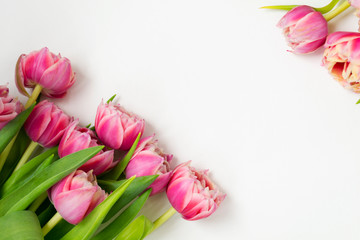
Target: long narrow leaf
[(136, 187), (22, 197), (14, 126), (114, 228), (26, 171), (22, 225), (87, 227), (137, 230)]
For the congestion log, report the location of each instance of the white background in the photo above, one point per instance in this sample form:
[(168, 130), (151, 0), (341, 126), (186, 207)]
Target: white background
[(213, 80)]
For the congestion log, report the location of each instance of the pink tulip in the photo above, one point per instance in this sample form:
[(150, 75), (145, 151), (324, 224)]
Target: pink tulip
[(76, 138), (9, 107), (46, 124), (304, 28), (342, 58), (75, 196), (116, 127), (148, 159), (52, 72), (192, 193)]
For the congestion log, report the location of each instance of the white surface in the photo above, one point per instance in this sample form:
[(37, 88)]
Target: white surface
[(213, 80)]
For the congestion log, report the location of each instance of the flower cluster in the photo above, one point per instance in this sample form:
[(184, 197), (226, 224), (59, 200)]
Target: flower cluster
[(85, 170), (306, 30)]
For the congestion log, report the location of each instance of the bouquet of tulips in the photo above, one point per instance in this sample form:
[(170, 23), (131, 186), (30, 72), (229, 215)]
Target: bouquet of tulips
[(306, 30), (60, 180)]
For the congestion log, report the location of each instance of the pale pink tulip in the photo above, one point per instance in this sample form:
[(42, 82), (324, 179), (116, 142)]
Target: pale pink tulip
[(52, 72), (9, 107), (46, 124), (76, 138), (192, 193), (116, 127), (304, 28), (75, 196), (149, 159), (342, 58)]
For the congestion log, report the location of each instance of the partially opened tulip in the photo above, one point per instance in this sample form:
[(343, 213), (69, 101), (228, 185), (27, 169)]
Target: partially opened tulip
[(46, 124), (304, 28), (116, 127), (9, 107), (192, 193), (149, 159), (75, 196), (342, 58), (52, 72), (77, 138)]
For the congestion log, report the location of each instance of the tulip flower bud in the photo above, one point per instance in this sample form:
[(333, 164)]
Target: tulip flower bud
[(75, 196), (46, 124), (76, 138), (304, 28), (52, 72), (192, 193), (116, 127), (9, 107), (149, 159), (342, 58)]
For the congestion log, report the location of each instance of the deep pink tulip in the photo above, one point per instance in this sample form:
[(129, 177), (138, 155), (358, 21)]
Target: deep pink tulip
[(75, 196), (342, 58), (116, 127), (192, 193), (76, 138), (46, 124), (52, 72), (304, 28), (9, 107), (149, 159)]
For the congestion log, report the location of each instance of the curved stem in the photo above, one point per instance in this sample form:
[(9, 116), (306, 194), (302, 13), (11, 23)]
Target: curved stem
[(29, 150), (36, 204), (35, 94), (51, 223), (337, 11), (163, 218), (322, 10)]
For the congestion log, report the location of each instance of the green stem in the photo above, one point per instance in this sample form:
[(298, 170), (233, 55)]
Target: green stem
[(323, 10), (51, 223), (5, 153), (337, 11), (29, 150), (35, 94), (163, 218), (36, 204)]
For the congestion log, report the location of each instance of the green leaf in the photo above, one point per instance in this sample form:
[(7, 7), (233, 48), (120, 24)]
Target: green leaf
[(137, 230), (114, 228), (13, 127), (111, 99), (22, 225), (87, 227), (115, 173), (21, 143), (28, 170), (22, 197), (135, 188), (358, 101)]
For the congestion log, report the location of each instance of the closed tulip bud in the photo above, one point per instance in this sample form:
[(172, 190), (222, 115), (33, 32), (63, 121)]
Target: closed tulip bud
[(52, 72), (9, 107), (304, 28), (342, 58), (46, 124), (192, 193), (75, 196), (76, 138), (116, 127), (149, 159)]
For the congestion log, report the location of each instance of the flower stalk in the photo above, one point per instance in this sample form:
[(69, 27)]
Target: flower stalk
[(35, 94), (29, 150), (51, 223), (162, 219), (337, 11)]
